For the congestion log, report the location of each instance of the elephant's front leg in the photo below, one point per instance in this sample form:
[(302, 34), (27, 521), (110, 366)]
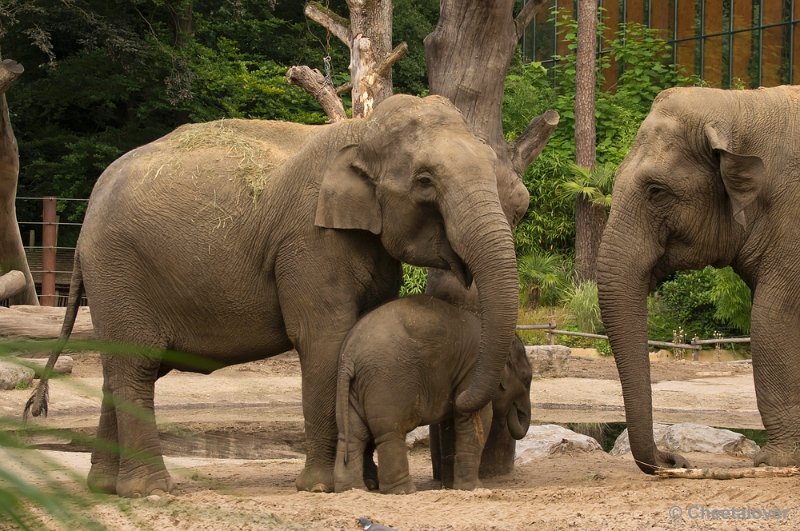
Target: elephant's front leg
[(776, 371), (131, 381), (319, 362), (471, 433)]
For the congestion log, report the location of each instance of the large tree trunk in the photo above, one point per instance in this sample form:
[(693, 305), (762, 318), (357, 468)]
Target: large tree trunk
[(12, 253), (467, 57), (590, 219)]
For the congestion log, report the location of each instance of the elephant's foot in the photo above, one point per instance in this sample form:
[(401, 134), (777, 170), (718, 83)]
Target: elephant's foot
[(404, 486), (102, 479), (370, 474), (466, 484), (315, 478), (141, 483), (776, 455), (354, 484)]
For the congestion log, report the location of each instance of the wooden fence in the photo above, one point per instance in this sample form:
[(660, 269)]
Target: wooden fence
[(696, 344)]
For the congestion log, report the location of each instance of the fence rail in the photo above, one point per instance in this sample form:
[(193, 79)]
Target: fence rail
[(696, 343)]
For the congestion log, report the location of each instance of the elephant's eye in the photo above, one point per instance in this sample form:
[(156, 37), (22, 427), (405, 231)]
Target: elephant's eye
[(424, 179), (657, 193)]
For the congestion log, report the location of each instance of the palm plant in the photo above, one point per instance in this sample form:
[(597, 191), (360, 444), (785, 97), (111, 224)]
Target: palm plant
[(592, 184), (543, 278)]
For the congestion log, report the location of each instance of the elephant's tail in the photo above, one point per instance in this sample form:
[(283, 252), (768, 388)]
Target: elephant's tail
[(37, 403), (345, 377)]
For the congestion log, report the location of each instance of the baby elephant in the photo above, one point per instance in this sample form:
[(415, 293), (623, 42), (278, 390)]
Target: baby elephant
[(401, 366)]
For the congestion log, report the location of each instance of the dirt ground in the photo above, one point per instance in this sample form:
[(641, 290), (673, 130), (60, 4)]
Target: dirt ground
[(211, 423)]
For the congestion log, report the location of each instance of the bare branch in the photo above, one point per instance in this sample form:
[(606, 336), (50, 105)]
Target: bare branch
[(395, 55), (10, 70), (329, 20), (313, 82), (729, 473), (532, 141), (526, 15), (344, 88)]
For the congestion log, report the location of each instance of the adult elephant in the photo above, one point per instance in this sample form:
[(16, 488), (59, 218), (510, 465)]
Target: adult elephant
[(237, 240), (712, 178)]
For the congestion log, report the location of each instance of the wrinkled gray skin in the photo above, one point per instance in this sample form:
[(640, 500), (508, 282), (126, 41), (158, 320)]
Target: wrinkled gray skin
[(402, 365), (713, 178), (178, 252)]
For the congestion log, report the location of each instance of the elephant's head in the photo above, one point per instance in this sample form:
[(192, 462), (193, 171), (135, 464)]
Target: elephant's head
[(513, 403), (685, 197), (417, 176)]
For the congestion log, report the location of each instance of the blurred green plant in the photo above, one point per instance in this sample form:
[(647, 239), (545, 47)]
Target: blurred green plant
[(543, 277), (415, 279), (581, 301)]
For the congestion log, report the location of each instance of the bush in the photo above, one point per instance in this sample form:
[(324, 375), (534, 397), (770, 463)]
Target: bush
[(543, 278), (581, 301)]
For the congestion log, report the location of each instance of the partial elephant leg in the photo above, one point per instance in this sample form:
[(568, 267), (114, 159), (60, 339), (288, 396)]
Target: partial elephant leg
[(105, 454), (350, 474), (393, 472), (776, 370), (471, 432), (498, 454), (141, 466), (435, 443), (319, 361)]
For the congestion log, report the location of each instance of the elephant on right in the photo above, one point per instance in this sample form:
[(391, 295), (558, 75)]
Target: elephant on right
[(713, 178)]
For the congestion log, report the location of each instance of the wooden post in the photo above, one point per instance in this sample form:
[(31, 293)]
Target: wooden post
[(49, 237)]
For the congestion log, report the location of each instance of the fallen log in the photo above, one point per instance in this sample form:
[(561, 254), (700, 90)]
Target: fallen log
[(42, 322), (729, 473), (11, 283)]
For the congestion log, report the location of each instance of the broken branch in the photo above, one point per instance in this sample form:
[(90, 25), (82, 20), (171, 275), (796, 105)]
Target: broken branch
[(10, 70), (532, 140), (313, 82), (11, 283), (395, 55), (329, 20)]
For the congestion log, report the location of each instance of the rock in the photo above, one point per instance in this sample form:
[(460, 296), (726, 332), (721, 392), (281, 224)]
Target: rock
[(550, 439), (14, 376), (63, 365), (418, 437), (548, 361), (689, 437)]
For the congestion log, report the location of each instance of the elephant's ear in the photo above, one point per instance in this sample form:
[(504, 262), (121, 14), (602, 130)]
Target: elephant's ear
[(347, 195), (742, 175)]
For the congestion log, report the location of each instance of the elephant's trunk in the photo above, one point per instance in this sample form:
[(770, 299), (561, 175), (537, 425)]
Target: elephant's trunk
[(519, 418), (623, 281), (480, 234)]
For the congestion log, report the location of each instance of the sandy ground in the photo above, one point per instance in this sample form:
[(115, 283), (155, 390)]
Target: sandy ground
[(253, 410)]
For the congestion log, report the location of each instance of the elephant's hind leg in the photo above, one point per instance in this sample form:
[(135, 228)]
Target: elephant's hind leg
[(393, 472), (349, 473), (129, 389), (105, 455)]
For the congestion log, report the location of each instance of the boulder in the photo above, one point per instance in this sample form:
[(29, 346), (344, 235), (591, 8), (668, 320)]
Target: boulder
[(418, 437), (548, 361), (63, 365), (689, 437), (13, 375), (550, 439)]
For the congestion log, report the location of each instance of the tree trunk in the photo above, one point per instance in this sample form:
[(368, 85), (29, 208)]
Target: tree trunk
[(12, 252), (590, 219), (467, 57)]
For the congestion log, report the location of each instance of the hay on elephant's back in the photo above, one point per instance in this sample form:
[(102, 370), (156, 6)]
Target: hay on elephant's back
[(251, 159)]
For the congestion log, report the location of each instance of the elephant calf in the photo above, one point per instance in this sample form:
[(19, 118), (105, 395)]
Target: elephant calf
[(401, 366)]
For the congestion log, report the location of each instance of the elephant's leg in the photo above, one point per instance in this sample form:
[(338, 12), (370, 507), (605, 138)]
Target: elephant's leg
[(319, 362), (471, 433), (349, 474), (393, 473), (141, 465), (105, 455), (776, 370)]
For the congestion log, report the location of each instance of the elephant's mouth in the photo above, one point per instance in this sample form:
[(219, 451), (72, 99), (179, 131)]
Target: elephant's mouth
[(460, 270)]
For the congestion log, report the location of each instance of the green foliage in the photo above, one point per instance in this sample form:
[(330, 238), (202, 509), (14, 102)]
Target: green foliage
[(581, 301), (644, 62), (701, 302), (415, 279), (543, 277), (594, 185)]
